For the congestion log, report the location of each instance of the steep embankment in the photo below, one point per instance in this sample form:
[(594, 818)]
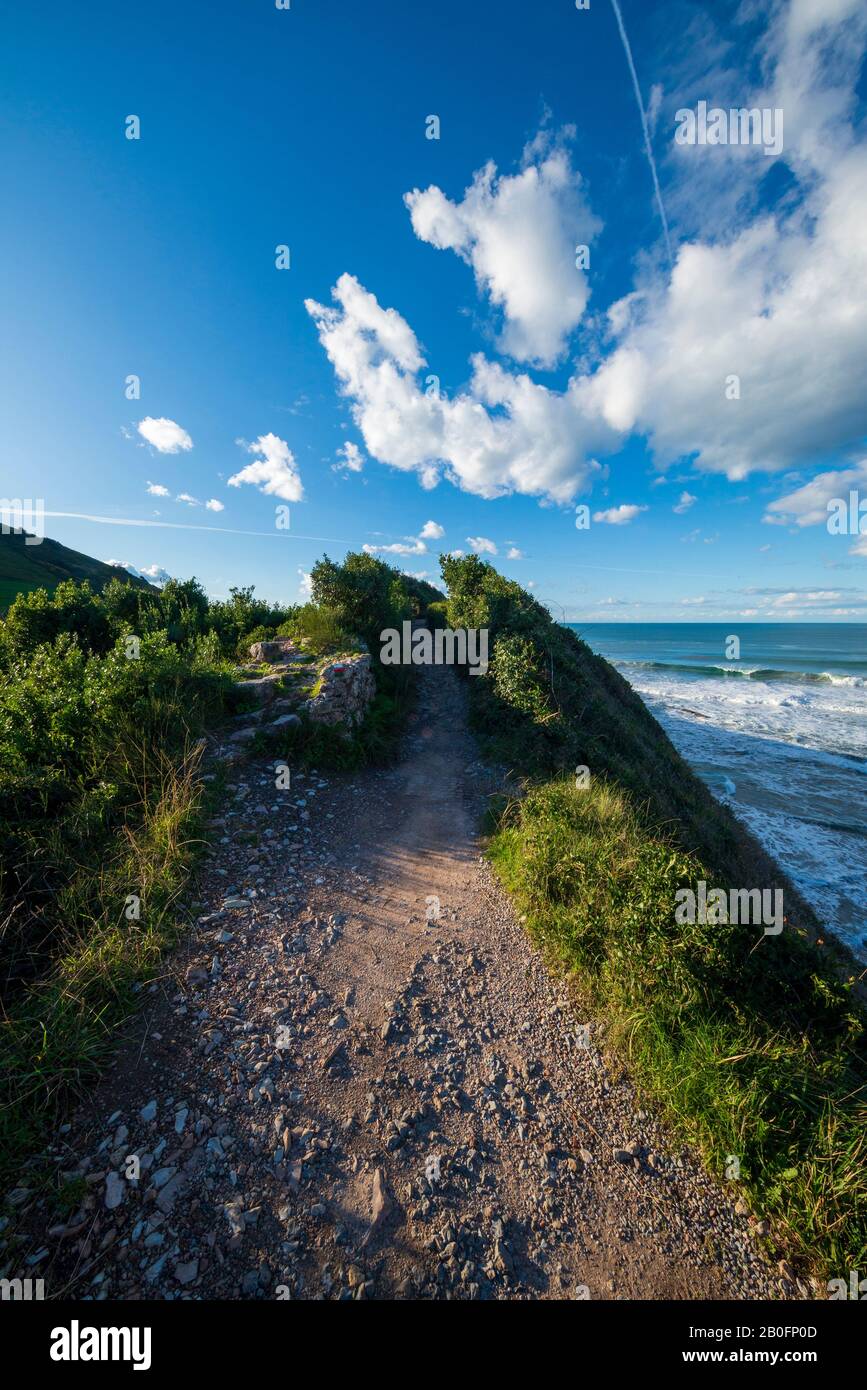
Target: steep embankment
[(362, 1082)]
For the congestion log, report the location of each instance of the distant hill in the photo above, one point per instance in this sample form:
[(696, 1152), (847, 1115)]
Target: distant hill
[(25, 567)]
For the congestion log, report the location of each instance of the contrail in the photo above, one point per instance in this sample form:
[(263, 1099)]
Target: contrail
[(188, 526), (647, 145)]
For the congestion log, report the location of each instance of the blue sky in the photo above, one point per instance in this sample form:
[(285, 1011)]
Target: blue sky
[(602, 385)]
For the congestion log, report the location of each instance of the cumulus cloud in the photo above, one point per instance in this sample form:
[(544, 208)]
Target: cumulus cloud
[(213, 505), (514, 553), (186, 497), (519, 233), (154, 574), (166, 436), (481, 545), (619, 516), (432, 531), (778, 300), (747, 358), (505, 433), (157, 490), (305, 585), (350, 458), (274, 472)]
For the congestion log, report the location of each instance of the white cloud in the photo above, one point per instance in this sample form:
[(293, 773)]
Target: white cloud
[(808, 505), (408, 547), (811, 596), (619, 516), (154, 574), (165, 435), (351, 458), (305, 585), (504, 433), (685, 502), (519, 233), (213, 505), (185, 497), (776, 299), (157, 490), (514, 553), (275, 472), (481, 545)]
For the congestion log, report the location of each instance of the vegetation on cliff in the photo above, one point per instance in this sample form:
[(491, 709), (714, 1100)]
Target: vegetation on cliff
[(754, 1044)]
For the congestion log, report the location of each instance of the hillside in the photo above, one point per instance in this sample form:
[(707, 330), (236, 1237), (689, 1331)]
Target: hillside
[(26, 567), (145, 805)]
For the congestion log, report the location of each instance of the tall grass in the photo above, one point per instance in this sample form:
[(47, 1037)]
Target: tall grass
[(58, 1031), (748, 1042)]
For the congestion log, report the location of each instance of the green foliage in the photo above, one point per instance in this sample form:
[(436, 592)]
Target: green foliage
[(752, 1044), (319, 628), (366, 595), (100, 798), (519, 676), (437, 614), (550, 704)]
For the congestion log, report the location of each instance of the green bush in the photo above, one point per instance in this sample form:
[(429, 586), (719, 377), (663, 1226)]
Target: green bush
[(319, 628)]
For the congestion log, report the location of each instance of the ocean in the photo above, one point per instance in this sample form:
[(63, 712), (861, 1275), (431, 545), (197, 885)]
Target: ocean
[(779, 734)]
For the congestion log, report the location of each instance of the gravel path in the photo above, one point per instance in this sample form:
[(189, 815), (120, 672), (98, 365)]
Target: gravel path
[(359, 1080)]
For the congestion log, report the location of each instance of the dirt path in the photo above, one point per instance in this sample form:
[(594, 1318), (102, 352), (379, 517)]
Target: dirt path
[(334, 1096)]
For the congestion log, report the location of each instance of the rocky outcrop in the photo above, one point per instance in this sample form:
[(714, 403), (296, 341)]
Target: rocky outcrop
[(280, 649), (348, 686)]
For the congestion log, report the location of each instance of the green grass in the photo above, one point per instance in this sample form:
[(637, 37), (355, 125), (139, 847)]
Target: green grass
[(753, 1045), (749, 1043), (317, 628), (57, 1034)]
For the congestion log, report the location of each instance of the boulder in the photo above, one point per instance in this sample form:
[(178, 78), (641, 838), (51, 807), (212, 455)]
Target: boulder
[(347, 689), (285, 721), (279, 649)]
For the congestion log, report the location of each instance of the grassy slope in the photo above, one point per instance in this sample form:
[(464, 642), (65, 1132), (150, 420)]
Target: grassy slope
[(26, 567), (753, 1044)]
